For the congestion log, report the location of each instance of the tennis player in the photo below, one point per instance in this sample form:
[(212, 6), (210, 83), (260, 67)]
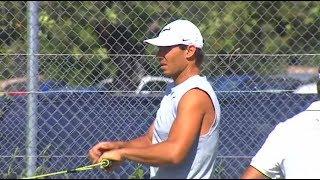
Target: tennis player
[(182, 141)]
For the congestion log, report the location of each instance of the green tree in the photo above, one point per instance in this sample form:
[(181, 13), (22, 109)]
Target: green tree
[(70, 30)]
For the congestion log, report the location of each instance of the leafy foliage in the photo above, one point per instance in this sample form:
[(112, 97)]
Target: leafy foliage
[(71, 29)]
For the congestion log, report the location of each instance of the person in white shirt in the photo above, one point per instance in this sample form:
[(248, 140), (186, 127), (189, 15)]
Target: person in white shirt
[(182, 141), (292, 149)]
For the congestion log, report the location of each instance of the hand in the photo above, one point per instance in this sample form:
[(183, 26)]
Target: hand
[(115, 156), (96, 151)]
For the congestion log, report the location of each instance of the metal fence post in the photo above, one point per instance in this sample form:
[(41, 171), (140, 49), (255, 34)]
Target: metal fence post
[(33, 30)]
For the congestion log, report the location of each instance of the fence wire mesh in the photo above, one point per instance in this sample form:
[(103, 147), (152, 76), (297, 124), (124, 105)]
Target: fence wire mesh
[(92, 61)]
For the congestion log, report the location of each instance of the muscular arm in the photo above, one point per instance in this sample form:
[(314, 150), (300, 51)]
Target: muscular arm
[(96, 151), (253, 173), (185, 129)]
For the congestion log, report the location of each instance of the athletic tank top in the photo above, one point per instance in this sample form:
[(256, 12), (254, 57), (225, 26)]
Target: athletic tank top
[(199, 162)]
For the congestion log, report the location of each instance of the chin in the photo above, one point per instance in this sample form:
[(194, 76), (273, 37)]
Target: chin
[(166, 74)]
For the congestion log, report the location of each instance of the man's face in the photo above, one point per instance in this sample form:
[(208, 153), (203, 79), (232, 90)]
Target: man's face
[(172, 60)]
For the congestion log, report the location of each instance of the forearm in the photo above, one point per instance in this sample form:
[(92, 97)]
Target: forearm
[(139, 142), (156, 154), (101, 148)]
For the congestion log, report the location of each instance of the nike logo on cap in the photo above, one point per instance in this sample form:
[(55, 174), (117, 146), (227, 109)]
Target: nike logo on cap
[(185, 39), (166, 29)]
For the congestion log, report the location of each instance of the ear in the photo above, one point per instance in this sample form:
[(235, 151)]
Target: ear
[(191, 51)]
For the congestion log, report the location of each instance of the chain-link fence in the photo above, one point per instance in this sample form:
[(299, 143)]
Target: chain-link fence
[(90, 59)]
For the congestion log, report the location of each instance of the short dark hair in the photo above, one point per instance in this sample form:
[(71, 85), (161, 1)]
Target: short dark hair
[(199, 54)]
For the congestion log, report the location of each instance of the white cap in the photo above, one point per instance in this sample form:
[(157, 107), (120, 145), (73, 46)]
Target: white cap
[(178, 32)]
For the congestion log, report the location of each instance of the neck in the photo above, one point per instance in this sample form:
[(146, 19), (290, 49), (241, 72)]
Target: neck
[(187, 73)]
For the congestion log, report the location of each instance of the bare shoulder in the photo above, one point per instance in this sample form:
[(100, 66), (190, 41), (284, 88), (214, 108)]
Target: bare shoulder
[(196, 97), (198, 104), (196, 101)]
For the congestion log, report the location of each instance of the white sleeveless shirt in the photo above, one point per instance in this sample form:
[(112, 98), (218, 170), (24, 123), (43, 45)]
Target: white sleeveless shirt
[(199, 162)]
